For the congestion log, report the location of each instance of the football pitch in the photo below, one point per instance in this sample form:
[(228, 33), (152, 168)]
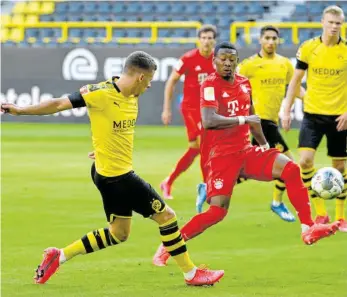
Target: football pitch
[(48, 199)]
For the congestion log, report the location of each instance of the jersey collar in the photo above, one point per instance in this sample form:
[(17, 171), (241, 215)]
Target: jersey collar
[(114, 84), (338, 42)]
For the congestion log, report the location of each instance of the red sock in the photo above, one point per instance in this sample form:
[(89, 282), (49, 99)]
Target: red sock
[(183, 164), (297, 192), (202, 221)]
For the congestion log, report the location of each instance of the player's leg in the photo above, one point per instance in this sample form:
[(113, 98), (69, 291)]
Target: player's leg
[(193, 126), (311, 133), (220, 182), (118, 213), (336, 145), (202, 187), (147, 202), (272, 164)]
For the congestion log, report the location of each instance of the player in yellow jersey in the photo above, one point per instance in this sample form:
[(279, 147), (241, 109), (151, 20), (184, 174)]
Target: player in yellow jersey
[(324, 59), (269, 74), (112, 107)]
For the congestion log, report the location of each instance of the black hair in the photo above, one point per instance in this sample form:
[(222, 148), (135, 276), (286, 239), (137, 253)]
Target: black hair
[(269, 28), (224, 44), (208, 28), (140, 59)]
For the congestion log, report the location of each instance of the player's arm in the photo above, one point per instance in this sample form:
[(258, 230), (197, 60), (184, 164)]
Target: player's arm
[(257, 131), (169, 91)]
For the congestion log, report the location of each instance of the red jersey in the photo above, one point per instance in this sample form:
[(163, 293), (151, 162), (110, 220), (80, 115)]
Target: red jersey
[(196, 68), (230, 100)]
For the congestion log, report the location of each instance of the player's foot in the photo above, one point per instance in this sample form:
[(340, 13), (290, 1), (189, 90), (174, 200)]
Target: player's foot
[(205, 277), (161, 256), (201, 198), (283, 212), (343, 225), (48, 266), (166, 189), (319, 231), (322, 219)]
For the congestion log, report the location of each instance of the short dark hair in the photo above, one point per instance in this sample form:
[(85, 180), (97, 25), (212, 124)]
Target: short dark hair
[(269, 28), (140, 59), (225, 44), (207, 28)]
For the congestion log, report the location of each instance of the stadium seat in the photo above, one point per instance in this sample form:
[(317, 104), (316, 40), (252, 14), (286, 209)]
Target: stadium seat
[(46, 7), (19, 7), (4, 35), (32, 7), (46, 18), (89, 7), (61, 7), (177, 8)]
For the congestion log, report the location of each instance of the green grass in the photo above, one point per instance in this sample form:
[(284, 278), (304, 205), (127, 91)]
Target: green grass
[(48, 199)]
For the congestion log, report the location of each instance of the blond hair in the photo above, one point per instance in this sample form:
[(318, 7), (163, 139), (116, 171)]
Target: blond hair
[(334, 9)]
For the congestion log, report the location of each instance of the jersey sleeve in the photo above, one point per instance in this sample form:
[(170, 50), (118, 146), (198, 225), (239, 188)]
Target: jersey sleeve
[(91, 94), (290, 71), (302, 56), (209, 95), (182, 65)]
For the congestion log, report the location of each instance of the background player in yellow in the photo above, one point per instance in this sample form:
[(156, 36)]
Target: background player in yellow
[(269, 74), (324, 59), (112, 107)]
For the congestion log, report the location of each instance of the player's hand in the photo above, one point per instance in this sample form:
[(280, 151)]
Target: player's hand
[(91, 155), (286, 120), (166, 117), (342, 122), (10, 108), (252, 120)]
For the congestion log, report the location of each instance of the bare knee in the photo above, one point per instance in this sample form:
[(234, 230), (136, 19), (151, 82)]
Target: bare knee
[(340, 165), (120, 233), (165, 216), (306, 162), (195, 144)]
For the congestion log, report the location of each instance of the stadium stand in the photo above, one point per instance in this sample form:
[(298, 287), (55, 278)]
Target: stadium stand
[(156, 23)]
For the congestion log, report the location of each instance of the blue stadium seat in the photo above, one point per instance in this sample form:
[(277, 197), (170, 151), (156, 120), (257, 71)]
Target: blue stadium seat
[(164, 33), (207, 8), (89, 7), (75, 7), (301, 9), (162, 7), (90, 17), (255, 8), (60, 17), (177, 8), (225, 21), (75, 33), (223, 8), (210, 20), (119, 33), (163, 18), (148, 18), (117, 7), (46, 18), (103, 7), (74, 18), (61, 7), (240, 8), (146, 7), (31, 33), (191, 8), (133, 7)]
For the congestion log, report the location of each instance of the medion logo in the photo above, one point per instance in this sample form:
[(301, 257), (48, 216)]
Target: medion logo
[(327, 71), (35, 97), (82, 64), (124, 125)]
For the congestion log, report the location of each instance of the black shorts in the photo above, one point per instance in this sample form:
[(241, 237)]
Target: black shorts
[(121, 195), (315, 126), (273, 136)]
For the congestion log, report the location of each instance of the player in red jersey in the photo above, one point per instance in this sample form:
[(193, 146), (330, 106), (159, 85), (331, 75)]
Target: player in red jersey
[(228, 118), (196, 65)]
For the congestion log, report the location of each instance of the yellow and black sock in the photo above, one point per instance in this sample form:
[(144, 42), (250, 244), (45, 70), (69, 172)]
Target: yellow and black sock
[(174, 243), (319, 204), (279, 189), (91, 242), (340, 201)]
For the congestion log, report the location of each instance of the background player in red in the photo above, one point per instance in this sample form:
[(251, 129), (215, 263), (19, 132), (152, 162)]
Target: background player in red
[(196, 65), (228, 117)]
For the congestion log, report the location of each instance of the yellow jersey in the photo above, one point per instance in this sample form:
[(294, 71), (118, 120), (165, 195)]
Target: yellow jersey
[(326, 76), (269, 78), (112, 118)]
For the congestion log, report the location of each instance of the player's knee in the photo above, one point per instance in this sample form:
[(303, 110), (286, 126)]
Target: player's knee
[(119, 233), (340, 165), (165, 216), (194, 144), (290, 171), (306, 162)]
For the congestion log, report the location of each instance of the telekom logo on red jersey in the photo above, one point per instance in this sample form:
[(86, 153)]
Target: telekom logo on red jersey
[(233, 107)]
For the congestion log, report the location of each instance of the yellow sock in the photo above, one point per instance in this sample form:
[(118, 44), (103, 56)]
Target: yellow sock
[(340, 201), (319, 205), (92, 242), (340, 209), (172, 240), (279, 189)]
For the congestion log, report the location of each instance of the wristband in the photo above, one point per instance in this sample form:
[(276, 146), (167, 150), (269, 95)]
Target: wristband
[(265, 146), (242, 120)]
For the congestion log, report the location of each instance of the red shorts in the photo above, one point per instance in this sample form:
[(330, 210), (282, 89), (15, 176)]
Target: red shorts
[(192, 121), (222, 172)]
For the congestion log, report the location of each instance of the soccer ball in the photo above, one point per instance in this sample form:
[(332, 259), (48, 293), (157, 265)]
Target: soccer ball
[(327, 183)]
